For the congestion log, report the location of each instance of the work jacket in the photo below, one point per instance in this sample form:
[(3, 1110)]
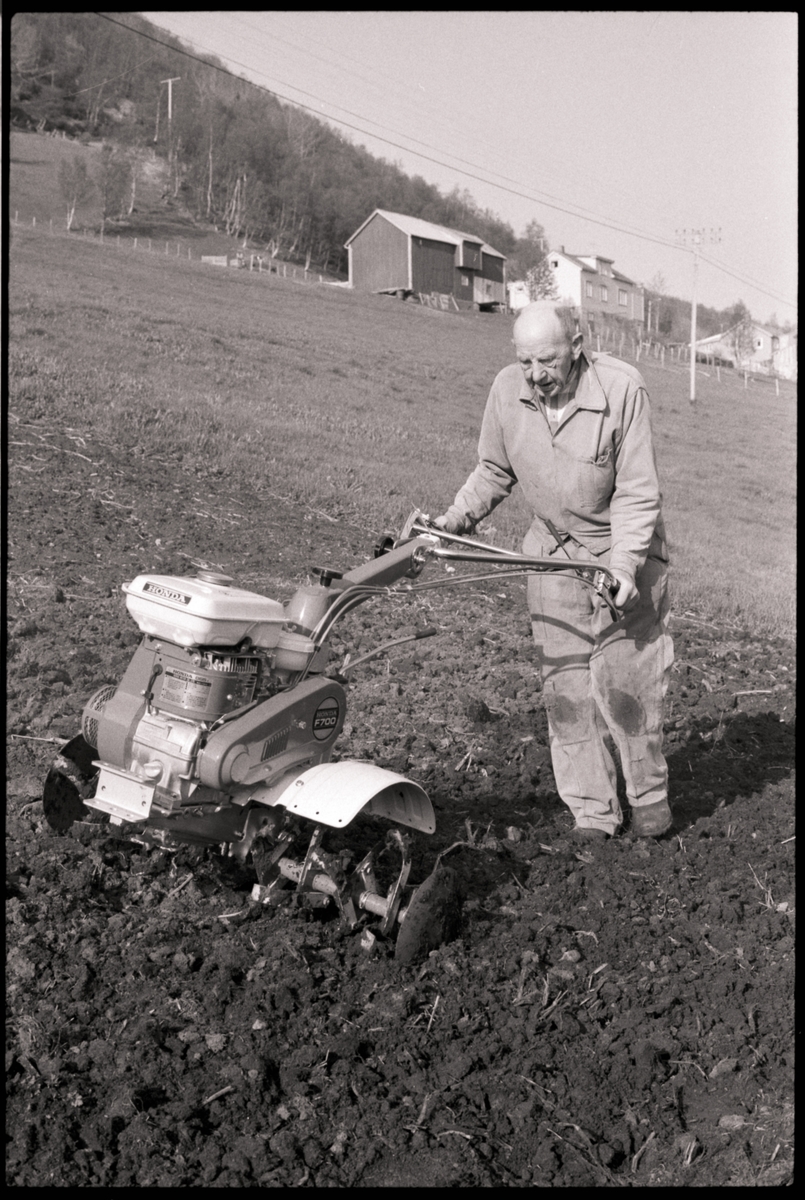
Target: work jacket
[(594, 476)]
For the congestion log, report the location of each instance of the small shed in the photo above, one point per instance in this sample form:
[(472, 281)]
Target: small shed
[(395, 253)]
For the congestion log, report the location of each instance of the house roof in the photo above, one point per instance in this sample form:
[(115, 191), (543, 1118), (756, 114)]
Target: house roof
[(577, 261), (416, 227), (716, 337)]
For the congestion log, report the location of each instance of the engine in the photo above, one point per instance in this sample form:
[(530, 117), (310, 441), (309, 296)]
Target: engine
[(223, 715), (206, 710)]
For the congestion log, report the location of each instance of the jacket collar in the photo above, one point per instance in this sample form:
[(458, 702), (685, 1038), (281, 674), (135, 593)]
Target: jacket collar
[(589, 393)]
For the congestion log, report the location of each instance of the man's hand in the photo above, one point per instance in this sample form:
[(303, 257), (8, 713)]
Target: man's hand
[(627, 594), (448, 524)]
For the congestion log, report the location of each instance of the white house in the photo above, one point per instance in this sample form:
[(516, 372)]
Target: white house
[(517, 294), (592, 285), (773, 352)]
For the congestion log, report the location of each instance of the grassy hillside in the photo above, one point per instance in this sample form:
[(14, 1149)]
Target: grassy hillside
[(35, 198), (364, 407)]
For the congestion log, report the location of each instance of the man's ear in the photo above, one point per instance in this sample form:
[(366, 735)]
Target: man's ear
[(576, 344)]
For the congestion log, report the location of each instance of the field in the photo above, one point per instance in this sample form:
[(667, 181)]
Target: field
[(622, 1018)]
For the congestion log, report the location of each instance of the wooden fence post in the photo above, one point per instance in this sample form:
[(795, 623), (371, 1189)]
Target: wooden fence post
[(135, 243), (777, 385), (33, 223), (166, 247)]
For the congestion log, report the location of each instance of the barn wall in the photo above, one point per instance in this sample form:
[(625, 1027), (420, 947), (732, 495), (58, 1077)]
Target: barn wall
[(432, 265), (380, 257), (493, 268), (488, 291), (464, 284), (470, 256)]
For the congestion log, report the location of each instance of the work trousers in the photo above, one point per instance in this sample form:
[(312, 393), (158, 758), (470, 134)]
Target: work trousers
[(602, 677)]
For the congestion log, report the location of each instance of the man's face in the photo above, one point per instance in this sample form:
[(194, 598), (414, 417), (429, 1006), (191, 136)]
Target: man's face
[(546, 357)]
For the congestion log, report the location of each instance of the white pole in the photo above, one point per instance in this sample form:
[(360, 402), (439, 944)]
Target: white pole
[(693, 324)]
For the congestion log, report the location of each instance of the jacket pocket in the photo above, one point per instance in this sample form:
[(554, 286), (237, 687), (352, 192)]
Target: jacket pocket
[(589, 482)]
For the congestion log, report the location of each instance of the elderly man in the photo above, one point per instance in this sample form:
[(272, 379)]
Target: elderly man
[(573, 429)]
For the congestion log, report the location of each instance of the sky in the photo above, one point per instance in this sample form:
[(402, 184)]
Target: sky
[(626, 134)]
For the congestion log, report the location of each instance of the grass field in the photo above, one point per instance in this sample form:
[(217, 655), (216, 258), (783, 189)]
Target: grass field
[(364, 407)]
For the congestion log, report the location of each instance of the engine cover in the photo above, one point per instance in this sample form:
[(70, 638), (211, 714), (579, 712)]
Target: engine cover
[(298, 726)]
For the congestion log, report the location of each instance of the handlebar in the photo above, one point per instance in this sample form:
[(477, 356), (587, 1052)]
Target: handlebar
[(419, 540), (603, 580)]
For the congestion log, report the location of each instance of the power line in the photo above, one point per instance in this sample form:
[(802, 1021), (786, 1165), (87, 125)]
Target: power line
[(383, 86), (532, 198), (746, 280)]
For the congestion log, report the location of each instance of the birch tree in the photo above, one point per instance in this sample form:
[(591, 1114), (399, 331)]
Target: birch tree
[(75, 185)]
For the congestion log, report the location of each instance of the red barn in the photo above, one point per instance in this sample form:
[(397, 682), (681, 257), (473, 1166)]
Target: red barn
[(394, 253)]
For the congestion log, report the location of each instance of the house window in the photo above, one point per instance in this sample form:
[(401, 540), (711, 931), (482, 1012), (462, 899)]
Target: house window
[(465, 281), (604, 292), (588, 287), (622, 297)]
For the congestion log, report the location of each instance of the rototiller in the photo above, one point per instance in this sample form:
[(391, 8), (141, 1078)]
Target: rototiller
[(222, 729)]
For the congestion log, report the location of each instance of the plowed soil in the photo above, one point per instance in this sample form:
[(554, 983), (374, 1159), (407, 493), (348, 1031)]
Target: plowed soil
[(621, 1017)]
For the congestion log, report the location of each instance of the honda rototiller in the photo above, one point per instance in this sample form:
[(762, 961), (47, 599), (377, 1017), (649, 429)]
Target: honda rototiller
[(222, 729)]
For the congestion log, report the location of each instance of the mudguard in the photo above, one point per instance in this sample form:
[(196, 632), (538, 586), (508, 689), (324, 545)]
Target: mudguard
[(333, 793)]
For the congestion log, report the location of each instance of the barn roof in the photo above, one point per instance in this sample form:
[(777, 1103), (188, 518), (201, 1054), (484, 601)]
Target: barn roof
[(416, 227)]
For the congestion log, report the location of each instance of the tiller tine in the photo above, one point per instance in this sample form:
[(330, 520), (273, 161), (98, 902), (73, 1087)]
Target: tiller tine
[(430, 917), (322, 877)]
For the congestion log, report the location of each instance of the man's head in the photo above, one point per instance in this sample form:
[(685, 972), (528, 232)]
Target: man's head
[(548, 344)]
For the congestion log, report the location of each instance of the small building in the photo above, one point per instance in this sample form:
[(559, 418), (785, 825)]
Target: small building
[(519, 295), (398, 254), (773, 352), (591, 284), (785, 356)]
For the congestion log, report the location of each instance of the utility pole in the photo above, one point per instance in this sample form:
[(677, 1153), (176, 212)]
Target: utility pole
[(170, 83), (694, 238)]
